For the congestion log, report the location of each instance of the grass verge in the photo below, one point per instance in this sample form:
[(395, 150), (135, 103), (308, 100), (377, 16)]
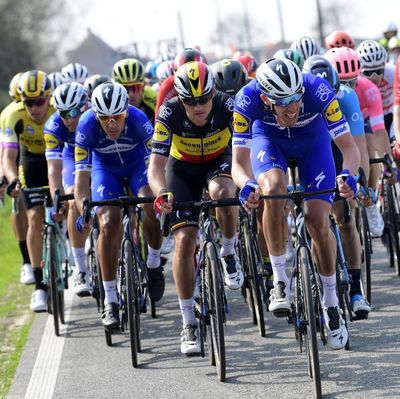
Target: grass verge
[(15, 316)]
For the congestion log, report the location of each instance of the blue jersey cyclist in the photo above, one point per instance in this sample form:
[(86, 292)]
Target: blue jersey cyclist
[(279, 116), (112, 143), (70, 100)]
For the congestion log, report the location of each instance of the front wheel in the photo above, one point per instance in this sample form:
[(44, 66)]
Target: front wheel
[(52, 269)]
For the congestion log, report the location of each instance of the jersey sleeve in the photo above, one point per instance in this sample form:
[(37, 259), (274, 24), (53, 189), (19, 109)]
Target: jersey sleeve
[(83, 144), (145, 132), (150, 97), (350, 106), (162, 136), (12, 126), (54, 144), (165, 93), (396, 87), (374, 104)]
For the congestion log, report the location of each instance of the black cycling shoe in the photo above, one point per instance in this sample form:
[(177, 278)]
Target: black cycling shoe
[(156, 282), (110, 316)]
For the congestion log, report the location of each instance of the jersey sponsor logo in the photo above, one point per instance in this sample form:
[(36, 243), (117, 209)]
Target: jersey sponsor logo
[(29, 129), (339, 130), (333, 112), (239, 142), (148, 127), (80, 137), (261, 155), (243, 101), (323, 91), (164, 112), (9, 132), (161, 133), (147, 143), (52, 125), (80, 154), (355, 117), (51, 141), (240, 123), (161, 151), (230, 104), (319, 179)]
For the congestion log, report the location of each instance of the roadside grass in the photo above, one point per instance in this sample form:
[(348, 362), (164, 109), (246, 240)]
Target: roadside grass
[(15, 316)]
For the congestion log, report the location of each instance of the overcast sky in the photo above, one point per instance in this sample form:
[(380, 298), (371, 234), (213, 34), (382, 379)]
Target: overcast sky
[(119, 22)]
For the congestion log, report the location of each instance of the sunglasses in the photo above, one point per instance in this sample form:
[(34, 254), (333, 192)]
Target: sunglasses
[(286, 101), (135, 88), (71, 113), (373, 72), (38, 102), (350, 82), (191, 102), (106, 119)]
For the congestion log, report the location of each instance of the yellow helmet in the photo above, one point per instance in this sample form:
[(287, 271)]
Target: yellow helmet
[(13, 87), (34, 84), (128, 72)]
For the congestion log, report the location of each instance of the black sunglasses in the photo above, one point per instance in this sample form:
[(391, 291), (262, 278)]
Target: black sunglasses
[(372, 72), (38, 102), (191, 102)]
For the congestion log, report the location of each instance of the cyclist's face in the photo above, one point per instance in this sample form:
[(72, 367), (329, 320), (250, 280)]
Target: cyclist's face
[(114, 126), (286, 116), (135, 94), (199, 113), (37, 108)]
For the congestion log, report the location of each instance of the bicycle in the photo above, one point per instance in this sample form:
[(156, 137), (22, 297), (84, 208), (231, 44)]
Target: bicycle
[(132, 276), (387, 194)]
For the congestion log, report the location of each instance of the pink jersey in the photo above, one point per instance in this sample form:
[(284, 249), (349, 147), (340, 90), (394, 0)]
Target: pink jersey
[(396, 89), (386, 89), (370, 103)]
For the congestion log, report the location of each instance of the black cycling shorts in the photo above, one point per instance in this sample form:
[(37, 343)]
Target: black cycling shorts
[(186, 181)]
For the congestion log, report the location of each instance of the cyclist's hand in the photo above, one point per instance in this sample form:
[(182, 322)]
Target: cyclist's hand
[(392, 177), (60, 215), (163, 203), (347, 184), (14, 188), (249, 195), (82, 227), (396, 153)]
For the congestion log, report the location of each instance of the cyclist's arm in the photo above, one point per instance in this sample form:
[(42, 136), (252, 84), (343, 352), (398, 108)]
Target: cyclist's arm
[(54, 168), (156, 173), (396, 122), (396, 95), (82, 188), (10, 156), (241, 166), (350, 152)]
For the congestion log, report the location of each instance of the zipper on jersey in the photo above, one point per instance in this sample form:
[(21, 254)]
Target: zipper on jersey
[(120, 157)]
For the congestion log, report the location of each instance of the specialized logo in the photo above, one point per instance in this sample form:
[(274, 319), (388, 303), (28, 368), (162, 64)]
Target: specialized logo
[(80, 154), (333, 112), (193, 73), (161, 133), (100, 190), (224, 166), (319, 179), (261, 155), (240, 123), (51, 141)]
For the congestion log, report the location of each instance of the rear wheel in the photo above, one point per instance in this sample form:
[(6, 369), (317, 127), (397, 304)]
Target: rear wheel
[(52, 268), (366, 250), (393, 220)]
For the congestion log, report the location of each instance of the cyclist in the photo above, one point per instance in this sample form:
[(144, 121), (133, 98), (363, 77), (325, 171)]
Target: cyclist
[(338, 39), (112, 142), (292, 55), (163, 71), (393, 49), (248, 61), (56, 79), (24, 133), (348, 66), (191, 144), (229, 76), (306, 46), (390, 31), (74, 72), (291, 116), (93, 81), (348, 101), (130, 74), (18, 219), (396, 113), (167, 89), (70, 100)]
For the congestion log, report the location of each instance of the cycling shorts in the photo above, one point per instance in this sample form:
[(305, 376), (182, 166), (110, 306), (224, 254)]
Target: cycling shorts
[(187, 180)]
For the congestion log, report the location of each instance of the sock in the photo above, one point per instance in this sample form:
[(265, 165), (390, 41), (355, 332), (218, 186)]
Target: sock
[(187, 311), (355, 287), (329, 284), (153, 257), (24, 251), (278, 267), (110, 291), (228, 246), (38, 274), (80, 259)]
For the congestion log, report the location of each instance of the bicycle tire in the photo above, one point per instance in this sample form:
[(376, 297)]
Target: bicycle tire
[(393, 225), (132, 300), (254, 278), (52, 285), (216, 310), (341, 292), (366, 247), (311, 330)]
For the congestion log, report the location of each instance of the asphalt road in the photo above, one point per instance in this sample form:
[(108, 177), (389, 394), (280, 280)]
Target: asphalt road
[(80, 365)]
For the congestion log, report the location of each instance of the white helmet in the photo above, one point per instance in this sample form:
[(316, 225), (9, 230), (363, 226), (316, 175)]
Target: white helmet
[(372, 54), (392, 27), (306, 46), (165, 69), (279, 77), (74, 72), (56, 80), (69, 95), (109, 98)]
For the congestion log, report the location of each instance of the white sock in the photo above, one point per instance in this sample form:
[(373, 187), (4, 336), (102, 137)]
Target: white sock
[(187, 311), (278, 267), (153, 257), (329, 284), (79, 258), (110, 291), (228, 246)]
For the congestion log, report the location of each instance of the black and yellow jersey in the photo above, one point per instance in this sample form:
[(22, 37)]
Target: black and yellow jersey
[(177, 136), (21, 131), (148, 103)]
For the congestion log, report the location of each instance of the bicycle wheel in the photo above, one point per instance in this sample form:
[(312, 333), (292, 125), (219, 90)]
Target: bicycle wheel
[(216, 310), (341, 289), (310, 327), (132, 300), (366, 251), (254, 277), (52, 285), (393, 220)]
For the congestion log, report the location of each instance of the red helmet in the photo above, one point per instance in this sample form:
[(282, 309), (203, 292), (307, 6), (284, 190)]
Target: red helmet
[(189, 54), (247, 60), (339, 38)]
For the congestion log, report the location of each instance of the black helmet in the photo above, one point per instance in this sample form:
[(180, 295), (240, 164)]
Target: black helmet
[(230, 76), (319, 66)]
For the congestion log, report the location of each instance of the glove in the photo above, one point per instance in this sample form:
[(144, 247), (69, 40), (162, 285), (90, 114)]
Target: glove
[(12, 186), (250, 187), (160, 200), (349, 179), (396, 152), (79, 224)]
